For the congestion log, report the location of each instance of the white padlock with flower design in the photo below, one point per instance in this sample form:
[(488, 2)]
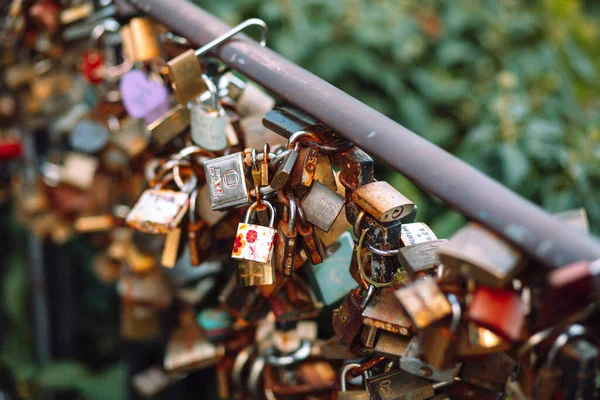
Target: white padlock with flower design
[(255, 242)]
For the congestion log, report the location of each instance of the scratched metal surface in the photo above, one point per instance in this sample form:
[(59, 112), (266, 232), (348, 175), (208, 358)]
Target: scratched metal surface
[(434, 170)]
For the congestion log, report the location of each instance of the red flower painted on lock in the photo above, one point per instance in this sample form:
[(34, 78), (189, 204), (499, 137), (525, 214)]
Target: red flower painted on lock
[(251, 236), (238, 245)]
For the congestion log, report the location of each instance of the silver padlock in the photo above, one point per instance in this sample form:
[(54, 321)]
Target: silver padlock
[(322, 206), (208, 123), (226, 181)]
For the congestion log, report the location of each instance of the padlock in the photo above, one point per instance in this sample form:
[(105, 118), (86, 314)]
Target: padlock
[(254, 246), (479, 254), (415, 233), (411, 363), (303, 173), (89, 136), (171, 248), (474, 340), (368, 335), (331, 279), (579, 363), (424, 302), (131, 138), (385, 313), (346, 319), (188, 349), (226, 181), (491, 373), (344, 393), (284, 170), (438, 342), (399, 384), (382, 201), (160, 210), (357, 168), (287, 237), (574, 377), (324, 173), (208, 122), (383, 240), (310, 239), (391, 345), (144, 39), (255, 242), (249, 99), (419, 258), (143, 96), (170, 125), (255, 134), (567, 290), (322, 206), (502, 311), (186, 77), (79, 170)]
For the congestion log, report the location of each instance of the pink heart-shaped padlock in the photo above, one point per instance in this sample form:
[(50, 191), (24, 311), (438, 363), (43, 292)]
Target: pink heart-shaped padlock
[(140, 95)]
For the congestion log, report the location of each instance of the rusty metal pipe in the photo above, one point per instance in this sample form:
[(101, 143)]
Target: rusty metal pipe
[(460, 186)]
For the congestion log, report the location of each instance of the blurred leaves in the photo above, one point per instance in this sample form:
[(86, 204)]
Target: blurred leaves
[(109, 383), (509, 86)]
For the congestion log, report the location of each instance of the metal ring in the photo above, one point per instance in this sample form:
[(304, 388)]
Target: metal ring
[(191, 151), (330, 148), (573, 332), (300, 354), (383, 253), (297, 135), (219, 40)]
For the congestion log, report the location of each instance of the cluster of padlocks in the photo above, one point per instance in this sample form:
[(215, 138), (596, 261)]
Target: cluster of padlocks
[(198, 184)]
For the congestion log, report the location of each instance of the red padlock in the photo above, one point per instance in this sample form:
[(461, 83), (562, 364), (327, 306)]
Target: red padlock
[(500, 310), (10, 149), (91, 66)]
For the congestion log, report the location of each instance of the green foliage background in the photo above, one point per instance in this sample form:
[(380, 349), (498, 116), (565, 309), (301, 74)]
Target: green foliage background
[(509, 86)]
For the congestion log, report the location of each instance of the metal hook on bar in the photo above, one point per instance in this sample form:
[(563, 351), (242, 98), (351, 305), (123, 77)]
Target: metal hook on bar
[(227, 35)]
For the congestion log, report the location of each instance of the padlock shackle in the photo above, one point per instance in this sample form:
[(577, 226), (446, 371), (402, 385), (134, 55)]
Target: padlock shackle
[(214, 92), (347, 368), (456, 313), (573, 332), (264, 30), (296, 136), (253, 206), (167, 167)]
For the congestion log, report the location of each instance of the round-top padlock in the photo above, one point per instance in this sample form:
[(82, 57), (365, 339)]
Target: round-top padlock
[(255, 242), (208, 122)]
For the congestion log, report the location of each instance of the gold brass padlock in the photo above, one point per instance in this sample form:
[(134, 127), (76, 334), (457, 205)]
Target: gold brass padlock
[(144, 39)]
